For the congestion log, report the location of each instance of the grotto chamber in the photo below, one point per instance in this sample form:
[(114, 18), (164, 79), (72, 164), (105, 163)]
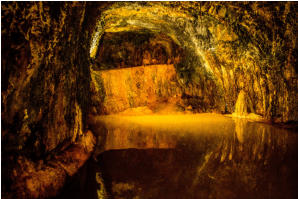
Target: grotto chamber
[(149, 100)]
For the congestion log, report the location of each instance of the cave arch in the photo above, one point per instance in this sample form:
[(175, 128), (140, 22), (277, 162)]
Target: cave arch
[(216, 47), (225, 54)]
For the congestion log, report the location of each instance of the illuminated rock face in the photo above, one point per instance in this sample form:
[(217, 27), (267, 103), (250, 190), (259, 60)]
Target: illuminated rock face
[(53, 53), (139, 86), (228, 47), (153, 86), (241, 104)]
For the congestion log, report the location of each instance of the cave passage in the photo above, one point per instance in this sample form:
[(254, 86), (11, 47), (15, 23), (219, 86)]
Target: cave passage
[(149, 100)]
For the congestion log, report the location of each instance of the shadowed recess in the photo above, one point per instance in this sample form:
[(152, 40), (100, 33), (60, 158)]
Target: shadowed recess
[(195, 91)]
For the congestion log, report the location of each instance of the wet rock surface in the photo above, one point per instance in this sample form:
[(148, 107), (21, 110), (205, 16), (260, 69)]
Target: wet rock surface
[(150, 86), (226, 47), (43, 106), (142, 47), (225, 57), (45, 178)]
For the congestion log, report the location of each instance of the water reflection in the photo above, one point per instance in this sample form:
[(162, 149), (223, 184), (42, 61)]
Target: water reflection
[(158, 131), (195, 156)]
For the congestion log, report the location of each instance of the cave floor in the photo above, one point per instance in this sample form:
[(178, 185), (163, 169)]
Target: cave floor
[(188, 156)]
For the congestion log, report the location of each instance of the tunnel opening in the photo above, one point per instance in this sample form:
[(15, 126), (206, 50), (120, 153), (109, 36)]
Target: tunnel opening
[(155, 75), (166, 73), (149, 100), (136, 71)]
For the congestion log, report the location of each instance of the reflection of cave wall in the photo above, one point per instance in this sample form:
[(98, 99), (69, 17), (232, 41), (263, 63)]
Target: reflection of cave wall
[(241, 159), (217, 48), (245, 157)]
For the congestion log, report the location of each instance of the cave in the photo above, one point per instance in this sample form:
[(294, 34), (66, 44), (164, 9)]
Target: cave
[(149, 100)]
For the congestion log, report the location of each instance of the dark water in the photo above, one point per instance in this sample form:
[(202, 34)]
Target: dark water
[(200, 156)]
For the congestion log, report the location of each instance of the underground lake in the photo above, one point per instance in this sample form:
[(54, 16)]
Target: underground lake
[(188, 156), (149, 100)]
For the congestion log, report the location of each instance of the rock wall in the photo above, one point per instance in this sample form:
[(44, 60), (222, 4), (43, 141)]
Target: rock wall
[(220, 51), (45, 88), (138, 86), (135, 48), (41, 103), (235, 46), (151, 86)]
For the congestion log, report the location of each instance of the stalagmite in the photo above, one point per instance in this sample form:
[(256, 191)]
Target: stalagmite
[(183, 67)]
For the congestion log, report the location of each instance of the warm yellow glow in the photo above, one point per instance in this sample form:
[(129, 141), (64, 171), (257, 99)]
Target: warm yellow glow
[(138, 87), (242, 106), (160, 131), (172, 123), (97, 34), (94, 44), (151, 12), (122, 29)]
